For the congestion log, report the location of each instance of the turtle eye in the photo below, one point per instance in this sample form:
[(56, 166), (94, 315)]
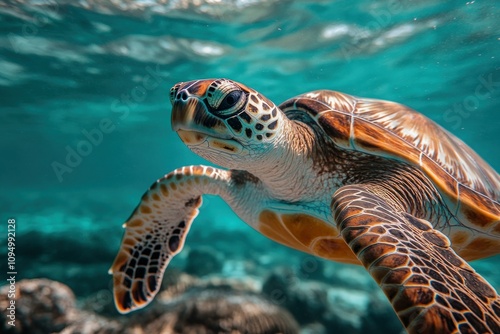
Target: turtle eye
[(224, 98), (230, 100)]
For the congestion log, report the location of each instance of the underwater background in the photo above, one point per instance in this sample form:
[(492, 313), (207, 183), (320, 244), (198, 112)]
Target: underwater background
[(85, 130)]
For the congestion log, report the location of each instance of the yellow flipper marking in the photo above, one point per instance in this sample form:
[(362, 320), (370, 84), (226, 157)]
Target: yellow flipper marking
[(307, 234)]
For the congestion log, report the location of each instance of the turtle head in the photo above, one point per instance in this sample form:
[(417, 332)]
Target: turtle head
[(224, 121)]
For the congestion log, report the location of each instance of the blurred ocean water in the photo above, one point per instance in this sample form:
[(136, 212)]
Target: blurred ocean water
[(85, 116)]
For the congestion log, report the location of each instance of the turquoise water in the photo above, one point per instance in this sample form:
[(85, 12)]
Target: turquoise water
[(98, 69)]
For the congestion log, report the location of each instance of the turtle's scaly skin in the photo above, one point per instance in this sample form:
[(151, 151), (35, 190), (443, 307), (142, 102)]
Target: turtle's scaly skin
[(431, 289), (348, 179)]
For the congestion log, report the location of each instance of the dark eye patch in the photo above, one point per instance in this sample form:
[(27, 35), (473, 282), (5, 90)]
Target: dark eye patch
[(272, 126), (235, 124), (246, 117)]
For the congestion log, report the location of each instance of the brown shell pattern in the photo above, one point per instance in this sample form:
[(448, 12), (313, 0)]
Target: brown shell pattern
[(468, 184)]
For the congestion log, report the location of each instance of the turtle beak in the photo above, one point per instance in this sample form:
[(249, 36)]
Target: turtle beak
[(183, 113), (183, 119), (192, 121), (195, 126)]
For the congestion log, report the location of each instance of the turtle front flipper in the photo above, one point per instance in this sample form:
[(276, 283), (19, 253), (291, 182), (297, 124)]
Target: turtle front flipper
[(156, 231), (429, 286)]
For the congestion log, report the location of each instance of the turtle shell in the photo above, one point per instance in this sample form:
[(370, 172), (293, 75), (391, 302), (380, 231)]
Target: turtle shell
[(469, 186)]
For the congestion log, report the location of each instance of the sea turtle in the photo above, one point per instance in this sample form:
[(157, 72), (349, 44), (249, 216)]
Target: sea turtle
[(349, 179)]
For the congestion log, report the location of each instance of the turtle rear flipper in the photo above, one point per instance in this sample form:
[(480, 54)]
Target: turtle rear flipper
[(156, 231), (430, 287)]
